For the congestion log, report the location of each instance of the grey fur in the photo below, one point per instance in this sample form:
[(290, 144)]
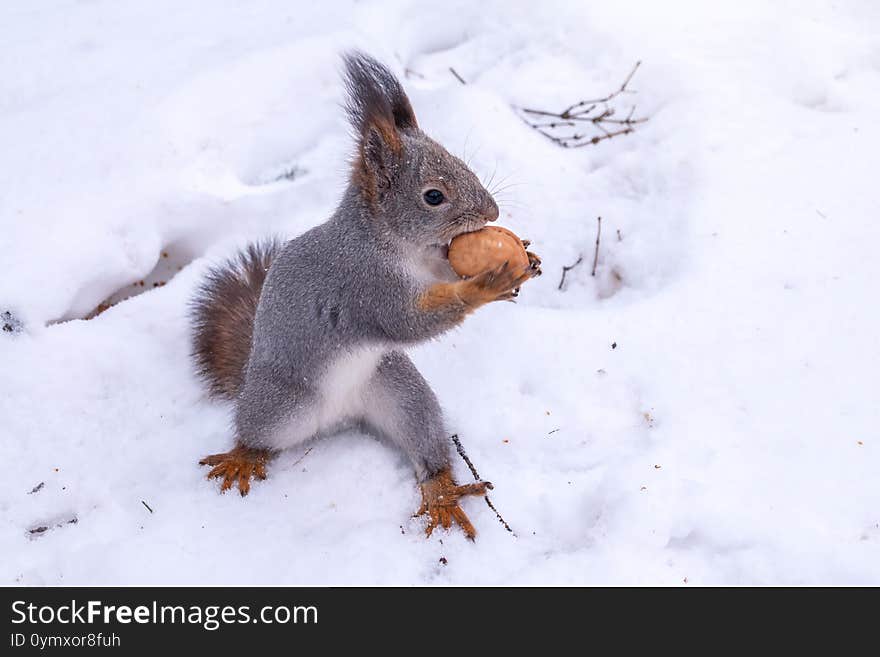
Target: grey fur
[(339, 303)]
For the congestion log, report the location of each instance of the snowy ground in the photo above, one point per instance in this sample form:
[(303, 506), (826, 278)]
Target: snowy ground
[(731, 436)]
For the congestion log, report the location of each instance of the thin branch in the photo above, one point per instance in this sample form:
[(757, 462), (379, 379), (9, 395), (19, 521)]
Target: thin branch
[(147, 506), (596, 112), (299, 460), (596, 253), (498, 515), (568, 268), (555, 124), (464, 456), (473, 470), (457, 76), (526, 110), (610, 96)]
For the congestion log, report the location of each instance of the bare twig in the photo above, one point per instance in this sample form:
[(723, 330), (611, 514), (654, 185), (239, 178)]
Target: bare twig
[(568, 268), (36, 531), (498, 515), (299, 460), (592, 103), (596, 253), (596, 112), (147, 506), (457, 76), (473, 470), (464, 456)]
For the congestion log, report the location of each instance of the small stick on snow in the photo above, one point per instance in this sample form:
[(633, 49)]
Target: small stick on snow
[(595, 111), (568, 268), (464, 456), (305, 454), (457, 76), (147, 505), (473, 470), (596, 253)]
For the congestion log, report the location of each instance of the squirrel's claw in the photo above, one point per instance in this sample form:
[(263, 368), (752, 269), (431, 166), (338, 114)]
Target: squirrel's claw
[(499, 284), (534, 263), (440, 496), (237, 467), (534, 258)]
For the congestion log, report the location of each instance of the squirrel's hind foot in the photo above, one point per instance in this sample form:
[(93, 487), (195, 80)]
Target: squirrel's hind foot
[(440, 496), (238, 466)]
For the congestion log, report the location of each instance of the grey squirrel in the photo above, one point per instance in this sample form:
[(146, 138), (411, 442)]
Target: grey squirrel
[(307, 338)]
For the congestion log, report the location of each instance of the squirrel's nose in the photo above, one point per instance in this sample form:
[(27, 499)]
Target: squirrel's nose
[(491, 211)]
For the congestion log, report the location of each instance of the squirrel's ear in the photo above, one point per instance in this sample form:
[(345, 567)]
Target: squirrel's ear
[(374, 91), (378, 159), (380, 113)]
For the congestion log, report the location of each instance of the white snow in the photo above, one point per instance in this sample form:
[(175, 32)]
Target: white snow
[(731, 437)]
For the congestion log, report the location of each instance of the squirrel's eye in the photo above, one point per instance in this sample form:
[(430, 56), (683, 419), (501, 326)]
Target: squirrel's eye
[(433, 197)]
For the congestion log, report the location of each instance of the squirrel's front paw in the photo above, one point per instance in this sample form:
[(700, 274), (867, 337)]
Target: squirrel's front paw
[(238, 466), (500, 284), (440, 496)]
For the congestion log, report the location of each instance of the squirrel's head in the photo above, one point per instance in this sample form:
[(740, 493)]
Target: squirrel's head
[(413, 186)]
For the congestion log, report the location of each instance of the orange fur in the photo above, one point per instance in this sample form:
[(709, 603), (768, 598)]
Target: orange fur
[(238, 466), (440, 496), (441, 296), (223, 313), (465, 296)]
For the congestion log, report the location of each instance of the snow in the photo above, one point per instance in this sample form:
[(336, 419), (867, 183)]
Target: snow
[(730, 436)]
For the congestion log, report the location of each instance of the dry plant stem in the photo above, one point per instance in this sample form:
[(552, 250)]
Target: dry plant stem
[(585, 111), (587, 106), (568, 268), (299, 460), (596, 253), (464, 456), (457, 76), (473, 470)]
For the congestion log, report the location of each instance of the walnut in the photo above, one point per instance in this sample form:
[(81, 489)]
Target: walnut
[(482, 250)]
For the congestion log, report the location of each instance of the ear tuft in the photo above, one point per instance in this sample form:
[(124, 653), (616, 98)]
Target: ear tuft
[(379, 112), (375, 96)]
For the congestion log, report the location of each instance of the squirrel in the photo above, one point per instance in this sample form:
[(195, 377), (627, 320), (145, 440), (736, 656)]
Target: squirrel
[(307, 337)]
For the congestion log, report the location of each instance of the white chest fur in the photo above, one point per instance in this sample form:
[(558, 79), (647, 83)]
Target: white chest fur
[(339, 399), (342, 385), (429, 266)]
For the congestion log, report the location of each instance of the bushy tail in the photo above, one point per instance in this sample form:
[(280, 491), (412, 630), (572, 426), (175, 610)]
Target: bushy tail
[(222, 316)]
